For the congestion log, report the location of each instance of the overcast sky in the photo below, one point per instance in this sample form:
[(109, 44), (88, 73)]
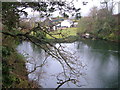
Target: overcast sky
[(85, 9), (91, 3)]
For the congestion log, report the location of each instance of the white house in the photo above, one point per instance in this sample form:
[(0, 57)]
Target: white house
[(66, 23)]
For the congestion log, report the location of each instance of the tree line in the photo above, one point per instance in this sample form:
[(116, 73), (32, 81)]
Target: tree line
[(100, 23)]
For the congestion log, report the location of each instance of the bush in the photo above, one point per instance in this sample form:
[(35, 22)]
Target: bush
[(100, 23)]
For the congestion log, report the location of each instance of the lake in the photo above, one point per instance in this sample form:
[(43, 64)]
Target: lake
[(100, 59)]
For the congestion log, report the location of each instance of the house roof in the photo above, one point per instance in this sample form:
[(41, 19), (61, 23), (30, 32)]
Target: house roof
[(57, 20)]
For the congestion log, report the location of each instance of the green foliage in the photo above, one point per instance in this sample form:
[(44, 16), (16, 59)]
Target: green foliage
[(5, 51), (100, 23), (40, 34), (6, 81), (14, 73), (83, 23), (9, 11)]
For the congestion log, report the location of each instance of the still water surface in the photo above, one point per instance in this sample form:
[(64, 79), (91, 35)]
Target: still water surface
[(100, 58)]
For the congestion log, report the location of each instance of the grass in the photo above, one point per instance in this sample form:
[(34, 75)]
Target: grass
[(64, 33)]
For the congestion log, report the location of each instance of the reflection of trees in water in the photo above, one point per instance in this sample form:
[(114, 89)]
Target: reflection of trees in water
[(101, 44), (71, 66), (104, 56), (73, 71), (99, 49)]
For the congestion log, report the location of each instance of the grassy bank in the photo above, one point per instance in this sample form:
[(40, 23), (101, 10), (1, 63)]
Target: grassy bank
[(69, 39), (64, 33), (14, 72), (70, 35)]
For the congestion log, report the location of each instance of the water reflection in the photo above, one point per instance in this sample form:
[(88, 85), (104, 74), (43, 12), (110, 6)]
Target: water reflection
[(100, 58), (102, 63)]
